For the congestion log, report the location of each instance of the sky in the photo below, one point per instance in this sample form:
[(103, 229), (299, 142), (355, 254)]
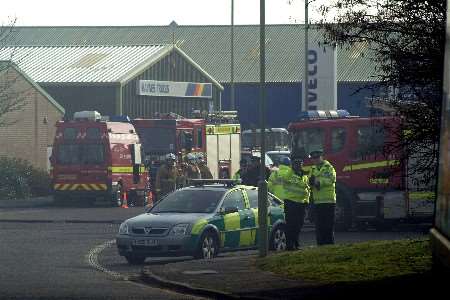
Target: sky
[(151, 12)]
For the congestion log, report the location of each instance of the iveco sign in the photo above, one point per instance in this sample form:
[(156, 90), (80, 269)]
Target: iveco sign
[(322, 89), (174, 89)]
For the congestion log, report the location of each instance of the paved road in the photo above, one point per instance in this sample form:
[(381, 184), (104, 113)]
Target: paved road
[(56, 260), (63, 252)]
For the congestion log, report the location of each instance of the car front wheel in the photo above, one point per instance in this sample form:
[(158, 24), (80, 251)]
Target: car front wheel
[(209, 247)]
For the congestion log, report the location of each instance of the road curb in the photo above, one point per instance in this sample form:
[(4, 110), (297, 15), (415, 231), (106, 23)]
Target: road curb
[(152, 279)]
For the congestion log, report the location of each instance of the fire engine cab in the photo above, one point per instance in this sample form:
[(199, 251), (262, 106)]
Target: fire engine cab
[(93, 158), (372, 185)]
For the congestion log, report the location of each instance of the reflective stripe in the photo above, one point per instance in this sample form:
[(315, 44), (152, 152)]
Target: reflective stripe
[(422, 196), (378, 180), (245, 239), (124, 169), (80, 186), (377, 164), (198, 226)]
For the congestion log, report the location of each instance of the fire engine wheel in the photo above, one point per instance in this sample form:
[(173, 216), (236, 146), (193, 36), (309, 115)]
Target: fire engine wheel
[(343, 211)]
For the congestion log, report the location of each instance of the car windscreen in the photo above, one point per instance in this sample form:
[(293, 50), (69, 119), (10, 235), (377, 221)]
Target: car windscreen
[(277, 157), (189, 201)]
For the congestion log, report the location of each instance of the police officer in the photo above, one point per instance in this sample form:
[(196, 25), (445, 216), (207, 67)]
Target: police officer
[(167, 177), (290, 183), (205, 172), (322, 180)]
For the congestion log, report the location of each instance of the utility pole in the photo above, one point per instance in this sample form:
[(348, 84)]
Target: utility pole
[(305, 70), (262, 184), (232, 100)]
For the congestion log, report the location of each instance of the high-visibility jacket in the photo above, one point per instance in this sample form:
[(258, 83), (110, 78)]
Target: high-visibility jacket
[(285, 184), (326, 175)]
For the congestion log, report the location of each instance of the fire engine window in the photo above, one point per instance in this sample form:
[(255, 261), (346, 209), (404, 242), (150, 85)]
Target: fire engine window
[(93, 154), (338, 136), (68, 154), (370, 141), (70, 133), (93, 133), (306, 140), (199, 138)]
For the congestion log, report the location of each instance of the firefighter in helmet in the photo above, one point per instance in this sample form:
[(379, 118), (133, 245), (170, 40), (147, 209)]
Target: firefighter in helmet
[(205, 172), (167, 177), (190, 168), (322, 180), (290, 183)]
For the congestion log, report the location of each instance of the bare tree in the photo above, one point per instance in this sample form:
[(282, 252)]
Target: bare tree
[(11, 100), (406, 40)]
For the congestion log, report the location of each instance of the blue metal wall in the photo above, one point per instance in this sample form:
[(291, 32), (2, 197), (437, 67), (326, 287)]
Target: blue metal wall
[(284, 101)]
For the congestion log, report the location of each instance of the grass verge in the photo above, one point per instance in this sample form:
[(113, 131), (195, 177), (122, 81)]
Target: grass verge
[(366, 261)]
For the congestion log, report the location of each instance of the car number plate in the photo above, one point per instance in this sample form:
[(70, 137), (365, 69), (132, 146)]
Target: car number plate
[(145, 242)]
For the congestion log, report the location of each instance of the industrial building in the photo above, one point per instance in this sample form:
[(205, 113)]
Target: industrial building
[(209, 47), (138, 81)]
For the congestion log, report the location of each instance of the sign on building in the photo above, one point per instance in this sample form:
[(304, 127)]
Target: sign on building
[(322, 88), (174, 89)]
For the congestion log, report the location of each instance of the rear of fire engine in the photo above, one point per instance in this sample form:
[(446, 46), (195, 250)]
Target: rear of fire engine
[(372, 185), (94, 159)]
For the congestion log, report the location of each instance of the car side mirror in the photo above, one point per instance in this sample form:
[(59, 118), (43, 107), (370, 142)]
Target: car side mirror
[(228, 210)]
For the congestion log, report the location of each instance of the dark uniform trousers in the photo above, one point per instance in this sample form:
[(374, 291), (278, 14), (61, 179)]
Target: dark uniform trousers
[(324, 222), (294, 213)]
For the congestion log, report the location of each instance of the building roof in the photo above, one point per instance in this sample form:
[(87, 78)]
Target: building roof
[(210, 47), (4, 65), (89, 64)]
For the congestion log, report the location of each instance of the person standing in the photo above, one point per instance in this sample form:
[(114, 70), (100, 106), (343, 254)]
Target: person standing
[(190, 168), (252, 175), (205, 172), (243, 164), (290, 183), (167, 177), (322, 180)]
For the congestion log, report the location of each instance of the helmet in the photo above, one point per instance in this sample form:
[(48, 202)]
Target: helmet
[(170, 156), (285, 161), (191, 157), (200, 156)]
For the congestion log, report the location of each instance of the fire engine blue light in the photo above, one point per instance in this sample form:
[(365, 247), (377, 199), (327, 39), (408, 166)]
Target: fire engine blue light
[(124, 119), (323, 114)]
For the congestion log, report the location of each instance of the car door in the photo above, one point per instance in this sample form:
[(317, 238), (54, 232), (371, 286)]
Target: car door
[(234, 229)]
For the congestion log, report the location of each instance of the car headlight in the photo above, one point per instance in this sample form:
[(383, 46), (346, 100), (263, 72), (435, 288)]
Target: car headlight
[(180, 229), (123, 229)]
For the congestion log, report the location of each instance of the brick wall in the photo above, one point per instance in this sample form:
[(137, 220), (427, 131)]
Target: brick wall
[(33, 126)]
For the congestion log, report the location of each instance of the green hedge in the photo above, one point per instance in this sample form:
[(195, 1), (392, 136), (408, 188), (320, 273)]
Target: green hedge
[(18, 179)]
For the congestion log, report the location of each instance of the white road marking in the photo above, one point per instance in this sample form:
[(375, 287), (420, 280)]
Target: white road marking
[(92, 260)]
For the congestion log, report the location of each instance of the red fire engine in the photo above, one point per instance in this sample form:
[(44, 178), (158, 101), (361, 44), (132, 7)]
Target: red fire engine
[(94, 159), (217, 137), (372, 185)]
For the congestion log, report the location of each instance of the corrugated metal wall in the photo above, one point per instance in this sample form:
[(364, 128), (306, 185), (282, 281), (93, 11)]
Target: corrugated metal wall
[(284, 101), (171, 68), (77, 98)]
